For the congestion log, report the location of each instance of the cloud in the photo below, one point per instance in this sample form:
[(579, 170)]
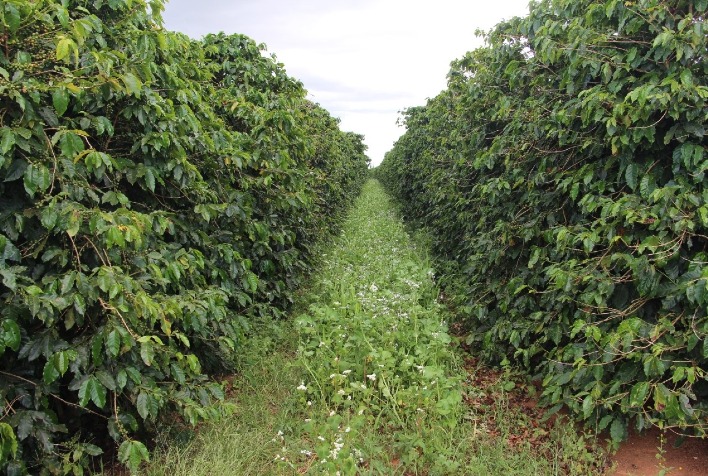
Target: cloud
[(363, 60)]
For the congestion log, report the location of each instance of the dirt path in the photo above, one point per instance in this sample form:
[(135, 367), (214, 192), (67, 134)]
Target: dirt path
[(641, 456)]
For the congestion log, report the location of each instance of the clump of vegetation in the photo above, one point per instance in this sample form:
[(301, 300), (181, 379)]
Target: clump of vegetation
[(157, 195), (562, 174), (376, 351), (373, 383)]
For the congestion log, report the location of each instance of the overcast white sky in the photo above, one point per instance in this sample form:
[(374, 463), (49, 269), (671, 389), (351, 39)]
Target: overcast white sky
[(362, 60)]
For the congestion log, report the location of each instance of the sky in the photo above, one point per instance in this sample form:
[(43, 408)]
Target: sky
[(362, 60)]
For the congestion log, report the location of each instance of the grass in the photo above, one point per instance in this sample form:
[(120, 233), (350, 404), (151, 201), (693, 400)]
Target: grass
[(366, 379), (245, 443)]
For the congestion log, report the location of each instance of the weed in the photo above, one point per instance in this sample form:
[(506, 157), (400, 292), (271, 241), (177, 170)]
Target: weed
[(366, 379)]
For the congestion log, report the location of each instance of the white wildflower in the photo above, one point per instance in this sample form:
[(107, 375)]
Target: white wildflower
[(371, 377), (347, 372), (302, 386)]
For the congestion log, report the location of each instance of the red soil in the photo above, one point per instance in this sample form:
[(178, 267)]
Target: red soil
[(645, 455)]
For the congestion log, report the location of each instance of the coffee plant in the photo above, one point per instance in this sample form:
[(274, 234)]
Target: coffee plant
[(563, 174), (157, 195)]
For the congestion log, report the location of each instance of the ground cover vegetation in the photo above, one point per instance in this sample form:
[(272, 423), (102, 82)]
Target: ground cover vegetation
[(366, 379), (157, 196), (562, 175)]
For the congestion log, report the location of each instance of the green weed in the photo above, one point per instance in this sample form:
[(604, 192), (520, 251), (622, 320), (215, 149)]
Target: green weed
[(367, 380)]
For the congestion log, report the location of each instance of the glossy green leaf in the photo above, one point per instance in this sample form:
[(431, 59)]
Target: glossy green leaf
[(36, 179), (113, 343), (92, 390), (133, 453), (132, 84), (7, 140), (50, 373), (631, 175), (147, 352), (60, 100), (10, 333)]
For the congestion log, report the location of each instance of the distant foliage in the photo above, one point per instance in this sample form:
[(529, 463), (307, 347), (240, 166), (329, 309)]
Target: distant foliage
[(157, 194), (563, 174)]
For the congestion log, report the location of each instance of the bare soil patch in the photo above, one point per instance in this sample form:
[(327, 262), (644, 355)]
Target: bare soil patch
[(647, 455)]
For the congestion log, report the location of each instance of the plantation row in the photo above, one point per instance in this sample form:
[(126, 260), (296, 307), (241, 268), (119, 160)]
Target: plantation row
[(562, 173), (157, 194)]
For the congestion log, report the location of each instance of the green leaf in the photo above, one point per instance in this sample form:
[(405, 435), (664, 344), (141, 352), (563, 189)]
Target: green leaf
[(604, 422), (8, 442), (50, 373), (687, 78), (63, 358), (638, 394), (73, 223), (71, 144), (12, 17), (150, 179), (534, 257), (631, 174), (618, 430), (79, 304), (132, 84), (132, 454), (574, 191), (92, 390), (10, 335), (106, 380), (60, 100), (9, 278), (147, 352), (64, 48), (113, 343), (7, 140), (588, 406), (36, 178), (17, 169), (654, 366), (122, 379), (178, 373), (147, 406), (142, 405), (49, 217), (647, 186)]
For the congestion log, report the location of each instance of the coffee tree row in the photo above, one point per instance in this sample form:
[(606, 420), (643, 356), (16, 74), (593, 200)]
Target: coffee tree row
[(157, 194), (562, 173)]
